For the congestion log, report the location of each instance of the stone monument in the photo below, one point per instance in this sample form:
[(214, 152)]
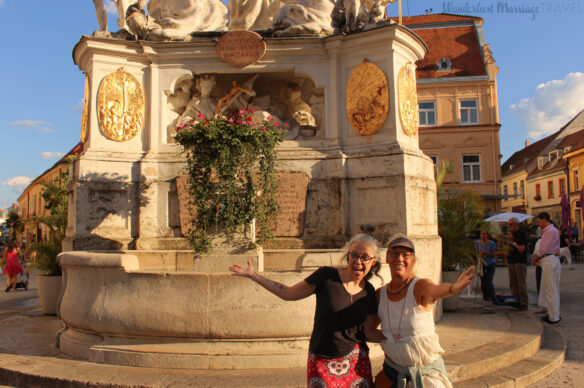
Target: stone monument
[(133, 294)]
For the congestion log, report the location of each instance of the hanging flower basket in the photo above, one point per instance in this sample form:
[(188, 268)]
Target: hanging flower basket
[(231, 165)]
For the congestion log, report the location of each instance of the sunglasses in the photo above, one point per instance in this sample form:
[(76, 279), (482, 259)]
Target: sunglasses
[(397, 254)]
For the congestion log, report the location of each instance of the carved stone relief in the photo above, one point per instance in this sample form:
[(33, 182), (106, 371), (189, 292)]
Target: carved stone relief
[(408, 100), (120, 106), (294, 102), (84, 115)]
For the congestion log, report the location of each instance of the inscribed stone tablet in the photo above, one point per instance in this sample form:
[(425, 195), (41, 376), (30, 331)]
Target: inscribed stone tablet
[(291, 196), (241, 48)]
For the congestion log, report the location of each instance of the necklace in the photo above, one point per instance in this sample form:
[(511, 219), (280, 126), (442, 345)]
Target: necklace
[(397, 337), (405, 285), (346, 285)]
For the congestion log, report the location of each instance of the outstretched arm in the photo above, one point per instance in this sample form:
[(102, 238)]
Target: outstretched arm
[(298, 291), (372, 332), (427, 292)]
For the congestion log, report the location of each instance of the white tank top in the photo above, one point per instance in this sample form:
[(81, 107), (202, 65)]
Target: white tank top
[(409, 330)]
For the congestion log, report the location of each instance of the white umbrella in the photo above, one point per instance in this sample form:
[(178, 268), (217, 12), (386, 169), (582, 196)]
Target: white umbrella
[(504, 217)]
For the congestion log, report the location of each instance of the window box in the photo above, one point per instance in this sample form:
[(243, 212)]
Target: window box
[(537, 197)]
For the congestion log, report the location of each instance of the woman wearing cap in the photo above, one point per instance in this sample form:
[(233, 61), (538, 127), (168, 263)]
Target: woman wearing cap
[(411, 346), (345, 310)]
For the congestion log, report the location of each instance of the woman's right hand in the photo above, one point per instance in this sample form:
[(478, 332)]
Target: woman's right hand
[(243, 271)]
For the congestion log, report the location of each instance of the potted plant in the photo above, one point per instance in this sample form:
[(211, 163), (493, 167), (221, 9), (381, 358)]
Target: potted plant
[(45, 252), (231, 163), (460, 214)]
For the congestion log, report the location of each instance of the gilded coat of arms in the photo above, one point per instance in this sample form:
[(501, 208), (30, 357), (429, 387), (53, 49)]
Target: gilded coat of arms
[(120, 105), (367, 98), (408, 99)]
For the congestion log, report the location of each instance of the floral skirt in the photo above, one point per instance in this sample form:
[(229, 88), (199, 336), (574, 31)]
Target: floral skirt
[(350, 371)]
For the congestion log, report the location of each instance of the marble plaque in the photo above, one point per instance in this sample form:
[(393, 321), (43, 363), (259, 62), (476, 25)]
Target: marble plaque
[(291, 196), (241, 48)]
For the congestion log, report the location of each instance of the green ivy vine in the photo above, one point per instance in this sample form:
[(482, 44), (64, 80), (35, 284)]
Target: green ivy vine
[(231, 166)]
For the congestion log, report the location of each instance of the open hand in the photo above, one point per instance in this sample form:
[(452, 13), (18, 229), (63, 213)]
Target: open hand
[(243, 271), (463, 280)]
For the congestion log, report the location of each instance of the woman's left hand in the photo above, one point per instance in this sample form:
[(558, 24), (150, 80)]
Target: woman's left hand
[(463, 280)]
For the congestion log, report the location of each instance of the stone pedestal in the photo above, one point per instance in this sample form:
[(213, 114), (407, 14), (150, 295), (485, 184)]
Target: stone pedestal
[(124, 199)]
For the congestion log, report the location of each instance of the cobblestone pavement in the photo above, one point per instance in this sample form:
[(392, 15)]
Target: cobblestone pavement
[(571, 373)]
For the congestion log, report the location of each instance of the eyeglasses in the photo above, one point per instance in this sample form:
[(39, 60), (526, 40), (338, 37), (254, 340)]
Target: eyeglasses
[(365, 258), (397, 254)]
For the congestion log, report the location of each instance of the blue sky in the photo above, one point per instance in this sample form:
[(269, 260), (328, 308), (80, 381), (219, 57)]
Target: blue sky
[(537, 46)]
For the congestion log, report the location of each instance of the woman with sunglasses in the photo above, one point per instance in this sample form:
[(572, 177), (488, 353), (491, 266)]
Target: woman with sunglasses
[(346, 309), (411, 346)]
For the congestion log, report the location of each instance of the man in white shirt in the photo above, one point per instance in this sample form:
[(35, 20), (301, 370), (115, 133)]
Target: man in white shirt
[(546, 256)]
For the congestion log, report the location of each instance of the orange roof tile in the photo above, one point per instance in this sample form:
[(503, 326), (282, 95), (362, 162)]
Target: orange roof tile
[(438, 18)]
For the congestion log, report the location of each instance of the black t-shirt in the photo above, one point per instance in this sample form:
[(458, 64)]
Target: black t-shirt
[(515, 257), (338, 323)]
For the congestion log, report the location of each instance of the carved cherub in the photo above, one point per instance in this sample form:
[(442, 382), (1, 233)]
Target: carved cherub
[(238, 97)]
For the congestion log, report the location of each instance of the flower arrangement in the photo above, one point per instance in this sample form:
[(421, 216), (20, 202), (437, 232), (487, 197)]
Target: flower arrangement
[(231, 167)]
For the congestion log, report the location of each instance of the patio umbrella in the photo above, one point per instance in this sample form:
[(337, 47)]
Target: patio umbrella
[(565, 204), (504, 217)]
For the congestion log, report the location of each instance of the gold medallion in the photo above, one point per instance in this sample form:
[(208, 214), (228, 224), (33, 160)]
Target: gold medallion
[(120, 105), (84, 118), (367, 98), (408, 99)]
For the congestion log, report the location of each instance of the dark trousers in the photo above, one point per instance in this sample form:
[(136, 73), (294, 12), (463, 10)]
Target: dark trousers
[(538, 277), (487, 286)]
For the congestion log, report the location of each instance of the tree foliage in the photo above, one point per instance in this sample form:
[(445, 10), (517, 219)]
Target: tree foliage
[(460, 213)]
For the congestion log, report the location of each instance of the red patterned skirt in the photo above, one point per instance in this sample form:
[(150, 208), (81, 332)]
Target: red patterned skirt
[(350, 371)]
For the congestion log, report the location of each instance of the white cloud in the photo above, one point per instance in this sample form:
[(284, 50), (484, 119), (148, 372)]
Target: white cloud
[(79, 106), (18, 183), (51, 155), (1, 2), (42, 126), (110, 7), (553, 104)]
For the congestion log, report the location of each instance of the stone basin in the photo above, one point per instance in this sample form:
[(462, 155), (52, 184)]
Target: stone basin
[(115, 312)]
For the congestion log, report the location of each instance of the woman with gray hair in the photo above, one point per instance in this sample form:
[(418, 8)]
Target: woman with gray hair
[(345, 315), (412, 350)]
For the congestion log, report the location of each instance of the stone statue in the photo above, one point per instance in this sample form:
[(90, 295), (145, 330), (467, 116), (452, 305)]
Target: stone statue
[(304, 17), (201, 102), (298, 109), (101, 14), (238, 97), (123, 6), (252, 14), (177, 19), (353, 15)]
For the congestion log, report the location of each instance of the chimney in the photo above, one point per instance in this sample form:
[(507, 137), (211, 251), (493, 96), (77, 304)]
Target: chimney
[(527, 143)]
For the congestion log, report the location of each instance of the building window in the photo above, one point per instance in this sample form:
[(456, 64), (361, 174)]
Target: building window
[(537, 191), (550, 186), (562, 186), (576, 181), (434, 160), (505, 192), (427, 113), (515, 188), (522, 185), (471, 168), (469, 113)]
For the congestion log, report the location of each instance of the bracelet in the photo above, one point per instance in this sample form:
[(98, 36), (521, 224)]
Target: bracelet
[(450, 289)]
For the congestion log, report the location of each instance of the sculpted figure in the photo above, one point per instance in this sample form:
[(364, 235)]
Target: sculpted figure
[(238, 97), (201, 102), (354, 15), (304, 17), (252, 14), (299, 110), (177, 19), (101, 14)]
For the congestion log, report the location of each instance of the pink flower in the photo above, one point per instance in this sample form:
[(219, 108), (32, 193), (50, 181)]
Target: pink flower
[(251, 110), (285, 124), (230, 120), (241, 112), (201, 116), (240, 122), (270, 118), (264, 129), (276, 124), (248, 118), (206, 122)]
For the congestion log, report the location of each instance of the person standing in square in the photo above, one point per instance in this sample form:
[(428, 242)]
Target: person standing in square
[(517, 262)]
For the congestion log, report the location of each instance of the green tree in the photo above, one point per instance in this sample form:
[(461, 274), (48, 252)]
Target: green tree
[(56, 202), (460, 214), (14, 224)]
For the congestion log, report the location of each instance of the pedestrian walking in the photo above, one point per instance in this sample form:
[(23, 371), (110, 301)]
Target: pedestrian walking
[(12, 265)]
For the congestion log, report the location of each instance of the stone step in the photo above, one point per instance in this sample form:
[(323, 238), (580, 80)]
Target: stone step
[(527, 371), (522, 340)]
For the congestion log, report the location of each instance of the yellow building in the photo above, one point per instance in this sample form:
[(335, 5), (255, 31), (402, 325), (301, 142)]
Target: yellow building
[(542, 170), (31, 203), (457, 96), (575, 168)]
